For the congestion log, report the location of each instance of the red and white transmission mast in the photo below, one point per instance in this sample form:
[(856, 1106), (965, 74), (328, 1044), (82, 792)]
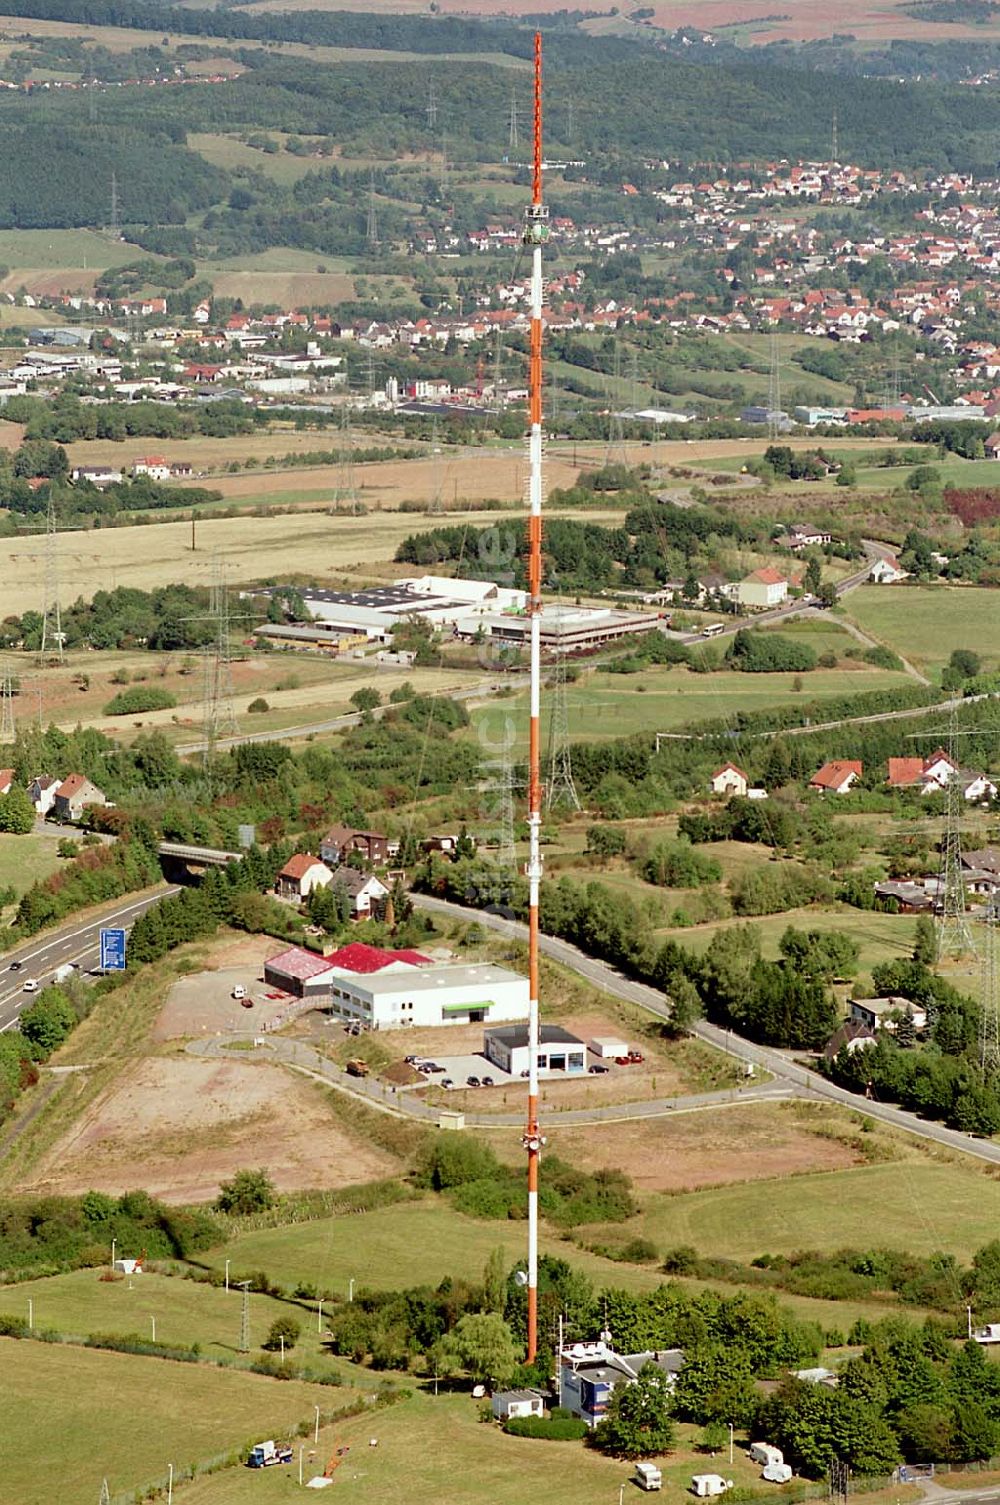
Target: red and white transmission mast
[(536, 229)]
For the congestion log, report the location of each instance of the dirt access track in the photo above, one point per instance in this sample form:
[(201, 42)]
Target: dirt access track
[(178, 1127)]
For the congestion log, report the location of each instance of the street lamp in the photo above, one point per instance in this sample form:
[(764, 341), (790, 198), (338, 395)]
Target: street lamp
[(319, 1316), (316, 1432), (968, 1313), (153, 1321), (113, 1242), (350, 1289), (730, 1443), (227, 1275), (170, 1484)]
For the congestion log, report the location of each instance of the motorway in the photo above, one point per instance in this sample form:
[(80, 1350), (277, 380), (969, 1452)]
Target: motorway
[(78, 942)]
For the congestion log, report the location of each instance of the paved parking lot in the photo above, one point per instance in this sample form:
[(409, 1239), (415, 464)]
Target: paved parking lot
[(460, 1068)]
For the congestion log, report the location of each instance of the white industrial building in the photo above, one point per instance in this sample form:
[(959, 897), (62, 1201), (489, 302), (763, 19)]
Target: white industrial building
[(561, 1054), (467, 608), (403, 989)]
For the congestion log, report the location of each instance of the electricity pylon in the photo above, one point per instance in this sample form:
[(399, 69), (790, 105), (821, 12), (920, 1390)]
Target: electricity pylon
[(989, 1016), (560, 789), (954, 933), (8, 729), (53, 636)]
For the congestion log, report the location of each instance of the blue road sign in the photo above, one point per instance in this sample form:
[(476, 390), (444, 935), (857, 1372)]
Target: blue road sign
[(112, 951)]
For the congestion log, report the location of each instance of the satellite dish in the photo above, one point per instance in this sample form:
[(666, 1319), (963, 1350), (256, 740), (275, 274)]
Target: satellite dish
[(521, 1277)]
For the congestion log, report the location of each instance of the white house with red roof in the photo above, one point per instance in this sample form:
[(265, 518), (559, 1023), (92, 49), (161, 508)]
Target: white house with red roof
[(836, 777), (73, 795), (729, 780), (376, 988), (300, 875), (762, 589)]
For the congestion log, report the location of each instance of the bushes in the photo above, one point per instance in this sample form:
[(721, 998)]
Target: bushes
[(676, 864), (483, 1187), (555, 1428), (140, 698), (768, 653), (66, 1233)]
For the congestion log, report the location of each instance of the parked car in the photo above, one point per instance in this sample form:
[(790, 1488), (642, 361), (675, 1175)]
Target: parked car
[(472, 1081), (239, 992), (447, 1082), (410, 1060), (636, 1057), (487, 1081), (598, 1070)]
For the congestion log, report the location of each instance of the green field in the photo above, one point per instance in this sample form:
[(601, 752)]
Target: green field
[(56, 250), (75, 1416), (920, 1207), (925, 622), (435, 1449), (26, 859), (881, 937), (660, 700), (186, 1311)]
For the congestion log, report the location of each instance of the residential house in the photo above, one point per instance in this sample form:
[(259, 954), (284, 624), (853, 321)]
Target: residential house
[(881, 1013), (340, 841), (804, 536), (762, 589), (153, 466), (366, 893), (590, 1372), (6, 780), (905, 773), (983, 860), (729, 780), (977, 788), (836, 777), (887, 571), (992, 447), (42, 792), (850, 1036), (73, 795), (98, 475), (909, 898), (300, 875), (939, 770)]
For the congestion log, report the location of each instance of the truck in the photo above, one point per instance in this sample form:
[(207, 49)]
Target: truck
[(264, 1454), (356, 1068)]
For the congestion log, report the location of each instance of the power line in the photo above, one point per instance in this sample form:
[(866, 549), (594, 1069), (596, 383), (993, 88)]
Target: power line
[(371, 230), (560, 790), (8, 728), (432, 109), (53, 637), (512, 127), (244, 1286), (114, 223), (774, 389), (989, 1008), (954, 934)]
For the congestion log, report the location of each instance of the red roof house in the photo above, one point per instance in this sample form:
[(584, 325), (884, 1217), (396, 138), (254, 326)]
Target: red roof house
[(836, 777)]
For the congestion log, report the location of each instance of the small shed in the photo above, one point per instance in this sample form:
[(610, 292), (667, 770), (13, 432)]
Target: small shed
[(508, 1403), (606, 1047)]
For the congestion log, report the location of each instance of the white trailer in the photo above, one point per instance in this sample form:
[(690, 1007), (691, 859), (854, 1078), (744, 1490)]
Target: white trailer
[(764, 1454), (988, 1334), (707, 1486), (648, 1476)]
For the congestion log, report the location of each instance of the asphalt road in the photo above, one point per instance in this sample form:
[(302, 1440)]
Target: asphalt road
[(79, 943)]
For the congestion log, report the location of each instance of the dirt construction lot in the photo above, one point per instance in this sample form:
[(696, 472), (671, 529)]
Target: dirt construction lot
[(178, 1127), (751, 1143)]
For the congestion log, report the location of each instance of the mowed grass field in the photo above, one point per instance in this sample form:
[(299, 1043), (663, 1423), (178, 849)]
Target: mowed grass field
[(434, 1449), (880, 937), (925, 622), (26, 859), (253, 548), (75, 1416), (662, 700), (186, 1312), (920, 1207)]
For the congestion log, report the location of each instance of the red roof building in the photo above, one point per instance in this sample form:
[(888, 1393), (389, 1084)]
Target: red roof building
[(358, 957), (905, 772), (836, 777)]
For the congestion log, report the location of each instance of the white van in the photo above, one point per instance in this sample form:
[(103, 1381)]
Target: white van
[(239, 991)]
